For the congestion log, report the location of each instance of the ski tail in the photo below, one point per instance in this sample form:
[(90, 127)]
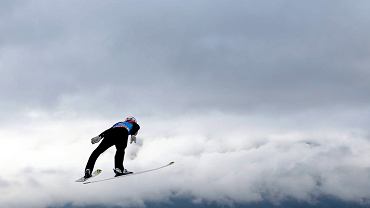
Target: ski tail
[(95, 173)]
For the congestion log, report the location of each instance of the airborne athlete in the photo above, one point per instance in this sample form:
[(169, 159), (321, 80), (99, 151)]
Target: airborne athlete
[(116, 135)]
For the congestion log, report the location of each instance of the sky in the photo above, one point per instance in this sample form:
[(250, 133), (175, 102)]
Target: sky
[(255, 101)]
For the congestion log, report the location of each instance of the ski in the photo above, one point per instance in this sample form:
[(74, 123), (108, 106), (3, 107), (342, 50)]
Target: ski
[(95, 173), (131, 174)]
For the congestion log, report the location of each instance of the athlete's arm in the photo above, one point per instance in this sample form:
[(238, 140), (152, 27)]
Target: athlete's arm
[(135, 130), (104, 132)]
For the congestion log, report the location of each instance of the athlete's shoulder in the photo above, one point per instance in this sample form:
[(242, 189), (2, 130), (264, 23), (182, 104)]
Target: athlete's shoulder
[(120, 123)]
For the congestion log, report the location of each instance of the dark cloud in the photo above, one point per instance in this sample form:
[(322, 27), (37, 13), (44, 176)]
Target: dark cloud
[(185, 56), (325, 201)]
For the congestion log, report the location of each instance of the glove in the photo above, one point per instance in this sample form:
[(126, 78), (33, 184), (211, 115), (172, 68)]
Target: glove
[(133, 139), (96, 139)]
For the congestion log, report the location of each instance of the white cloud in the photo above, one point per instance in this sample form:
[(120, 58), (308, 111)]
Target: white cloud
[(239, 162)]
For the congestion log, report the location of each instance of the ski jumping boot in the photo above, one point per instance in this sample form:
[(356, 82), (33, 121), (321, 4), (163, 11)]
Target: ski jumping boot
[(87, 174), (119, 172)]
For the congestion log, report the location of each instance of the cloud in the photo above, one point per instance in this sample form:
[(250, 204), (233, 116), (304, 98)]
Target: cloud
[(248, 163), (3, 183), (253, 100), (240, 57)]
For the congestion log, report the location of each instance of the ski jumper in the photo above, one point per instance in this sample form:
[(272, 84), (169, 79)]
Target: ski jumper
[(116, 135)]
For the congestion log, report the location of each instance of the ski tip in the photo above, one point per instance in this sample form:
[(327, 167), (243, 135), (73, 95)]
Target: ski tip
[(171, 163)]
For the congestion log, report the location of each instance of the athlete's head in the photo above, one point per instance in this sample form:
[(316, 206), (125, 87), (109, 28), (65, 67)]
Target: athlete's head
[(131, 119)]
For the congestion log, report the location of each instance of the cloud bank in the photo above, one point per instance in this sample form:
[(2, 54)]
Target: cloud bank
[(248, 163), (240, 57)]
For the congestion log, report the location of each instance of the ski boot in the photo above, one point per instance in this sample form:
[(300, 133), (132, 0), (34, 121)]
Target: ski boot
[(87, 174), (119, 172)]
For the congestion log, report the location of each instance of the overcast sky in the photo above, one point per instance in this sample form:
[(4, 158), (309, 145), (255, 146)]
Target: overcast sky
[(254, 100)]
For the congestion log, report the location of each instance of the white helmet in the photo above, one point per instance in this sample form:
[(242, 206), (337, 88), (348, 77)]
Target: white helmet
[(131, 119)]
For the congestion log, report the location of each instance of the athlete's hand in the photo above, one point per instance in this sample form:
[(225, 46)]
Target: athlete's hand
[(133, 139), (95, 139)]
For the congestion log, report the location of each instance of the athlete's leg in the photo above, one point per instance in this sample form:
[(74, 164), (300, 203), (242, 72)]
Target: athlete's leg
[(121, 144), (104, 145)]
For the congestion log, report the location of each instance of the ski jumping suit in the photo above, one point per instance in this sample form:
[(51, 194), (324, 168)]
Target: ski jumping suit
[(116, 135)]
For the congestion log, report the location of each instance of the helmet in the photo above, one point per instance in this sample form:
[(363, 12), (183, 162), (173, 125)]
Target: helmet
[(131, 119)]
